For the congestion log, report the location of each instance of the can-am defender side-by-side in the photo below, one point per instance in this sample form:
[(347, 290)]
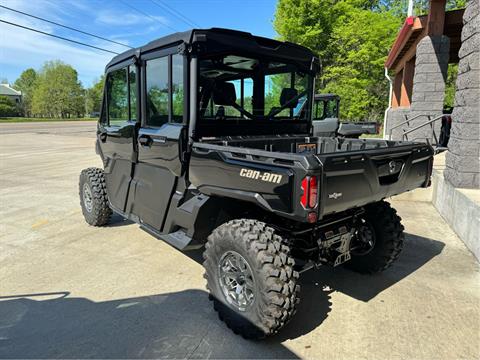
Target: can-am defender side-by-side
[(206, 141)]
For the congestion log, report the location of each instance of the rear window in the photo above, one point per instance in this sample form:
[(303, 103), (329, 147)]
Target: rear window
[(235, 87)]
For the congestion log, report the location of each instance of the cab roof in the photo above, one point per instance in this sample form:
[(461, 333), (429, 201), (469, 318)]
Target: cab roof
[(218, 39)]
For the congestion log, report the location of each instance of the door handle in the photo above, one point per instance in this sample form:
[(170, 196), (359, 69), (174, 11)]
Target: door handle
[(145, 140), (102, 136)]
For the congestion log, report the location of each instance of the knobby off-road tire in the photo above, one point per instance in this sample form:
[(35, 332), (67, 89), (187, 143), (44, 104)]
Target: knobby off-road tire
[(388, 237), (274, 280), (93, 197)]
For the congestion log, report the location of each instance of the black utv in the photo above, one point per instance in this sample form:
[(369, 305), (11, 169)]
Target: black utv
[(206, 141)]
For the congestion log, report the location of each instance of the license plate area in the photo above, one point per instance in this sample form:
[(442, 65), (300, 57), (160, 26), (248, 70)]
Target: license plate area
[(307, 148)]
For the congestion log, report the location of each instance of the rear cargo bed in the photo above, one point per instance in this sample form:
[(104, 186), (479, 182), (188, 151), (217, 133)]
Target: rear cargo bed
[(350, 172), (316, 145)]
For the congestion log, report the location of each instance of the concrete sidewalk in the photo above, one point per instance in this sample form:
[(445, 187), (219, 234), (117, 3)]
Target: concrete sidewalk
[(70, 290)]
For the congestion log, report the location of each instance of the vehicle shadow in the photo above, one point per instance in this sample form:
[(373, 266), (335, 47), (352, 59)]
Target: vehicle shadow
[(316, 286), (417, 251), (180, 324), (174, 325), (118, 220)]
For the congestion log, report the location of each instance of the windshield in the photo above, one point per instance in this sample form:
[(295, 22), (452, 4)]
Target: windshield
[(237, 87)]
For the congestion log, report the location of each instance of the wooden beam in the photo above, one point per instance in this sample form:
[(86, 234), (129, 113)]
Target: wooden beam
[(454, 17), (412, 50), (397, 90), (418, 29), (407, 83), (436, 17), (402, 37)]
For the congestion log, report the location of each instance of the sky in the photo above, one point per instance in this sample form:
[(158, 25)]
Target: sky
[(116, 20)]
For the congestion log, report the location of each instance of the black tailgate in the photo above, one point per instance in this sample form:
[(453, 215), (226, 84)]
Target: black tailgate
[(355, 178)]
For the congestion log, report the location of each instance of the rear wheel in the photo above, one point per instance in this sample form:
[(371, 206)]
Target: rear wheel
[(379, 239), (250, 277), (93, 197)]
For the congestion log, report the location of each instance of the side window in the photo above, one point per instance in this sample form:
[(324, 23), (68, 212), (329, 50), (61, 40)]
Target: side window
[(177, 88), (117, 91), (132, 83), (103, 110), (121, 96), (164, 89), (319, 110), (331, 109), (157, 91)]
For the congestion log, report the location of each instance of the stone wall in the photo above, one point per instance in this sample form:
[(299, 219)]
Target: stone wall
[(462, 159)]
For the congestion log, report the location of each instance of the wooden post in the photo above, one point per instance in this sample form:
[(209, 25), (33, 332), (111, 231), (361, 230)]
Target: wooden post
[(407, 83), (436, 17), (397, 89)]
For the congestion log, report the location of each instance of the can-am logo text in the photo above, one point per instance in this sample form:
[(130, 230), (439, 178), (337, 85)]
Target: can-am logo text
[(261, 175)]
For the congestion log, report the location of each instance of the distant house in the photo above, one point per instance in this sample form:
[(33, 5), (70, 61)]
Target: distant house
[(14, 95)]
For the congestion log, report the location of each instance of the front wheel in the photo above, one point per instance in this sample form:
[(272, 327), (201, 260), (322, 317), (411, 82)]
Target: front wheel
[(93, 197), (379, 239), (250, 277)]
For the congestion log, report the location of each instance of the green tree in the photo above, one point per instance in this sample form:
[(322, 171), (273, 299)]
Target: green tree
[(58, 92), (26, 84), (420, 7), (94, 95), (7, 107), (352, 39), (452, 72), (359, 45), (306, 22)]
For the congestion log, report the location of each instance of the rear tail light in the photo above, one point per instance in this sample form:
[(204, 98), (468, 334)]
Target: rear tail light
[(313, 191), (309, 198), (304, 197)]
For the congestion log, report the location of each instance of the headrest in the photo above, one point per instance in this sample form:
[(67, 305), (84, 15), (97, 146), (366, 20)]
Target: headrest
[(287, 95), (224, 93)]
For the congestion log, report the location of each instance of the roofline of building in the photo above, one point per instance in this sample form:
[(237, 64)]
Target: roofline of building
[(401, 39), (417, 26), (17, 92)]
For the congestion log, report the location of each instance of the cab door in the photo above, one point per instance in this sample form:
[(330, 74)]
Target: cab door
[(116, 131), (160, 138)]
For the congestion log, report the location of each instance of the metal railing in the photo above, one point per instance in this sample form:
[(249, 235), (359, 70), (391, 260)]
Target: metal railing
[(429, 122), (405, 122)]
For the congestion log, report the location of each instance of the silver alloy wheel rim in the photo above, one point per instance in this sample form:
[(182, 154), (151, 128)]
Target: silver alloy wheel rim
[(236, 280), (87, 197), (366, 238)]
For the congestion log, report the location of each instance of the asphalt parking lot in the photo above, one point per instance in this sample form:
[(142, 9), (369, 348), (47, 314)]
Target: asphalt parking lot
[(68, 290)]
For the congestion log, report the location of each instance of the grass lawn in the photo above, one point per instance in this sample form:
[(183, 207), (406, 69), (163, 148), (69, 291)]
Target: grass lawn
[(25, 119)]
